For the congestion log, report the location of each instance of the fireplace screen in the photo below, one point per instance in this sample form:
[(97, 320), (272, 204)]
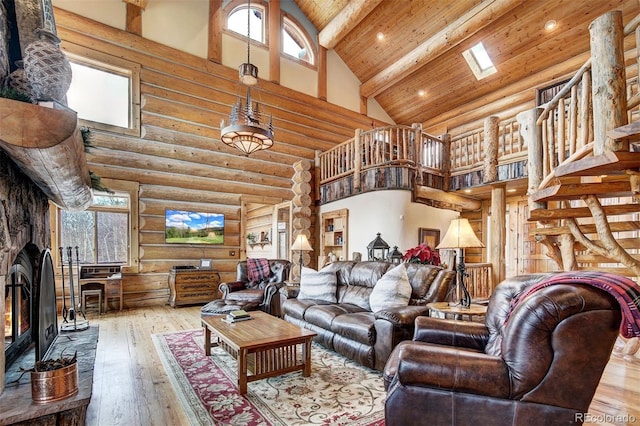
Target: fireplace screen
[(18, 299)]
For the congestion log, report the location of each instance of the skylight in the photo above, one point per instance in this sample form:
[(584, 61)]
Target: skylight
[(481, 56), (479, 61)]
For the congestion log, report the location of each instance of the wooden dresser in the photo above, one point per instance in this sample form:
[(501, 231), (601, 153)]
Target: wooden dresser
[(193, 286)]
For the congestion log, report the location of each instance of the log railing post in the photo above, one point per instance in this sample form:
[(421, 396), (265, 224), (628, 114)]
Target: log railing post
[(491, 142), (357, 159), (532, 135), (608, 81), (417, 151), (446, 161)]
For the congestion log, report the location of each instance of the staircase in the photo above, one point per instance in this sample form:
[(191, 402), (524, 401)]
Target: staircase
[(584, 182)]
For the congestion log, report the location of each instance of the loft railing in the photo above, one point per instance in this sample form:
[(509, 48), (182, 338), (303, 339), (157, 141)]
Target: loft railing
[(480, 280), (382, 147)]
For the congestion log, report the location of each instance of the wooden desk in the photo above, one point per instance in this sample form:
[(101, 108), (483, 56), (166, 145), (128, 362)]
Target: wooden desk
[(457, 311), (193, 286), (107, 278), (265, 346)]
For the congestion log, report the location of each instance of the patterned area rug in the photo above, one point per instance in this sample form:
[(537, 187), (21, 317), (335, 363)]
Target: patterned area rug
[(339, 391)]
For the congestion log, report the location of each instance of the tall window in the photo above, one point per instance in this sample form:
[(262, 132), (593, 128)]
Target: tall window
[(101, 232), (105, 91), (99, 95), (237, 22), (295, 42)]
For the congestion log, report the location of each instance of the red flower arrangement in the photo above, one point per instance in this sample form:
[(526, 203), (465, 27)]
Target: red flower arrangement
[(422, 254)]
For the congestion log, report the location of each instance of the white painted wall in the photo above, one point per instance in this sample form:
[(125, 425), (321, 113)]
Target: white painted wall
[(181, 24), (298, 77), (108, 12), (391, 213)]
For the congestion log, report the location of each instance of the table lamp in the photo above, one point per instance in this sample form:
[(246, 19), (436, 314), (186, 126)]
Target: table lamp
[(460, 236)]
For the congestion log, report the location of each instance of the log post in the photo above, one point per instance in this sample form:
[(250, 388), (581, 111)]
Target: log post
[(446, 161), (301, 212), (608, 81), (417, 149), (357, 160), (498, 228), (491, 136), (532, 135)]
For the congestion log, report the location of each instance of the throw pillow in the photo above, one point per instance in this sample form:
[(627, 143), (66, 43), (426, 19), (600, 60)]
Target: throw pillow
[(318, 285), (392, 290)]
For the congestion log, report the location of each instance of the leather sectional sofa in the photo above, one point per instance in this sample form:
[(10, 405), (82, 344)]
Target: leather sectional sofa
[(349, 326)]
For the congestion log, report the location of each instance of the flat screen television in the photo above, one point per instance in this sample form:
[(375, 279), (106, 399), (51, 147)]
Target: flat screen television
[(187, 227)]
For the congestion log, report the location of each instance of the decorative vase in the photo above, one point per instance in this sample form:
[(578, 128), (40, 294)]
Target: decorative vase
[(18, 81), (47, 68)]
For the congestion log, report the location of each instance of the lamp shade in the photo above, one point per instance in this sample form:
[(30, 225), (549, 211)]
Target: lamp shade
[(460, 235), (301, 243)]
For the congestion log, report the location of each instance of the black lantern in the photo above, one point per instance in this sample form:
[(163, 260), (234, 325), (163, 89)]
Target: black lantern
[(395, 256), (378, 249)]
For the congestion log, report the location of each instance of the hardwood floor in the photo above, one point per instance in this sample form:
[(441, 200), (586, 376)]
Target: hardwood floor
[(131, 386)]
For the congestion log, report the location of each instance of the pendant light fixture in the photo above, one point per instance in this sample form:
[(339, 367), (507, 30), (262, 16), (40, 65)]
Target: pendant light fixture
[(249, 128)]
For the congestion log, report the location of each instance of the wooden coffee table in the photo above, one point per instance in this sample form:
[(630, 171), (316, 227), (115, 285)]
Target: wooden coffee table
[(265, 346)]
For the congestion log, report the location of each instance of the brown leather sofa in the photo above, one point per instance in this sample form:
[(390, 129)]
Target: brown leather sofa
[(355, 332), (240, 295), (540, 367)]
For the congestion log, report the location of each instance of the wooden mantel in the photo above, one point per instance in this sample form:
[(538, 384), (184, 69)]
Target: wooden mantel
[(47, 145)]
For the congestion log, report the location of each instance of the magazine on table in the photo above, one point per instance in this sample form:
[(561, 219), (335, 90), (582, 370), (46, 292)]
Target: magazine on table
[(236, 316)]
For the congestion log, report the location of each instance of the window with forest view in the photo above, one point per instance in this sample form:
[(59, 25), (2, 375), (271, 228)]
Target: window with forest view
[(101, 233)]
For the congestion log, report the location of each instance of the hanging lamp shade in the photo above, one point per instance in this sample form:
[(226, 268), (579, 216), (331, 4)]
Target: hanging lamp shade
[(249, 128)]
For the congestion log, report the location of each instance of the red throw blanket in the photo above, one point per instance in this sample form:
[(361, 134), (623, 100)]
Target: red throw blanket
[(625, 291), (258, 270)]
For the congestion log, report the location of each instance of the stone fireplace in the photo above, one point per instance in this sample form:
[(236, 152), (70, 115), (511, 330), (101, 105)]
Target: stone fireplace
[(24, 236)]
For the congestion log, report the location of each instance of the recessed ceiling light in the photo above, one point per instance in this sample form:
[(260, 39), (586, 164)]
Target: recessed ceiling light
[(380, 36), (550, 25), (468, 191), (421, 93), (511, 190)]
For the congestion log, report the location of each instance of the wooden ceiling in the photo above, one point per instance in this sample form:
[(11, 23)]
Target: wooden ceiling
[(424, 40)]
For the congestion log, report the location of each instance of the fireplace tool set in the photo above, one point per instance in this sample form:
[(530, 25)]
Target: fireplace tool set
[(70, 320)]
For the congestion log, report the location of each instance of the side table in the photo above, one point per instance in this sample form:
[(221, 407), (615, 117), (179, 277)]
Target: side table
[(457, 311)]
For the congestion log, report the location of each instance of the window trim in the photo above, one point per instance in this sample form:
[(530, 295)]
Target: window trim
[(307, 40), (233, 6), (132, 189), (108, 63)]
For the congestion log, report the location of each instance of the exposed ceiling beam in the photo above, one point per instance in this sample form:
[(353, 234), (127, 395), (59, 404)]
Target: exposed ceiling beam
[(350, 16), (461, 29)]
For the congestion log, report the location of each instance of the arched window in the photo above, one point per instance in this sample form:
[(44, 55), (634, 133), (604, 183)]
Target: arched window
[(295, 42), (237, 22)]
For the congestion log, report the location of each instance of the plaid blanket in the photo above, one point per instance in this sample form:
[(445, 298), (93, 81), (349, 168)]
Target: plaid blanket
[(625, 291), (258, 271)]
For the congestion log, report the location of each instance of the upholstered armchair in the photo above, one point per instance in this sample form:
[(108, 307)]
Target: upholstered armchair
[(250, 294), (535, 362)]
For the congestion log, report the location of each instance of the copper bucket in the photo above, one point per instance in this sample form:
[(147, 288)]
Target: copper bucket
[(54, 385)]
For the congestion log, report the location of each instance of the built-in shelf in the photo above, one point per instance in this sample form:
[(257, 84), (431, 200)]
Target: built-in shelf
[(334, 234), (47, 146), (259, 243)]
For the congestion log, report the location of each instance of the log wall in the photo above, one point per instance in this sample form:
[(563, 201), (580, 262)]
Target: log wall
[(178, 159)]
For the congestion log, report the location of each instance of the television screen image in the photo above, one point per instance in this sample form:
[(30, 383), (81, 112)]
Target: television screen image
[(185, 227)]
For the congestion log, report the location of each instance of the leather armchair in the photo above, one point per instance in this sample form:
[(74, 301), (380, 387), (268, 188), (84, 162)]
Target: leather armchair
[(541, 366), (261, 294)]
